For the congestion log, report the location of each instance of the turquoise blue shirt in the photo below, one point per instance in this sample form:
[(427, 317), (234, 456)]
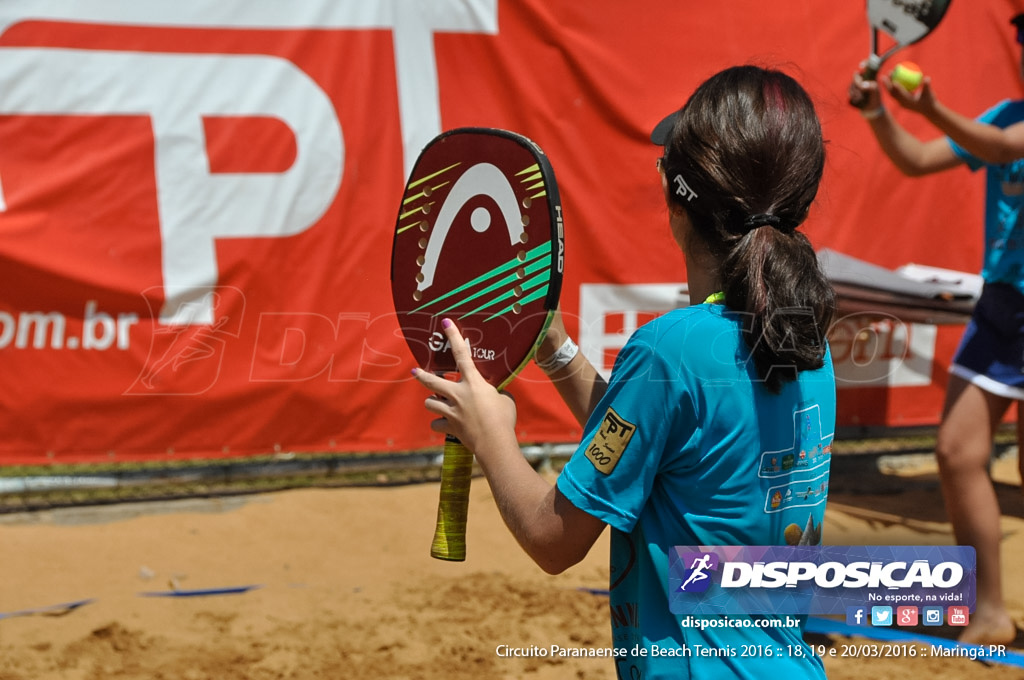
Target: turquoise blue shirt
[(1004, 197), (687, 447)]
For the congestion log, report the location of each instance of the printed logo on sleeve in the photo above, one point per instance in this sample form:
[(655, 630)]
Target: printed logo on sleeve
[(610, 441)]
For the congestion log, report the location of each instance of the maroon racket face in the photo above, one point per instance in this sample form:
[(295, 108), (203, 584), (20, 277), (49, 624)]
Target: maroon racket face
[(478, 240)]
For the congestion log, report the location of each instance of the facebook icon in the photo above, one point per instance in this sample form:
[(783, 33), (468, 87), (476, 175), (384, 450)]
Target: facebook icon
[(856, 616)]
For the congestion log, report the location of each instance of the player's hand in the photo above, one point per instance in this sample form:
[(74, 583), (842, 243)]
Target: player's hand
[(922, 100), (863, 93), (469, 407)]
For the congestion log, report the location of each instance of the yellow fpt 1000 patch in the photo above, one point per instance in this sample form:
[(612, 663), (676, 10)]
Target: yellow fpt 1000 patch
[(610, 441)]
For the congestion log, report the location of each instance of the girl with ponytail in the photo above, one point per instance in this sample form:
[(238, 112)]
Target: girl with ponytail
[(748, 149), (715, 428)]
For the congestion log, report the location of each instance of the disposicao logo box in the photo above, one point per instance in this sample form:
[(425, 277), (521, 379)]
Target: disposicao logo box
[(714, 580)]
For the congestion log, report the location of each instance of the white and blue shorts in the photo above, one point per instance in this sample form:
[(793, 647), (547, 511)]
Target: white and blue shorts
[(991, 352)]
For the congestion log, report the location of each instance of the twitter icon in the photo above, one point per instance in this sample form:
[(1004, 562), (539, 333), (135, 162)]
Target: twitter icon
[(881, 616)]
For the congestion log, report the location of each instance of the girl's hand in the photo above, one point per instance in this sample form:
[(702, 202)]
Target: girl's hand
[(470, 408)]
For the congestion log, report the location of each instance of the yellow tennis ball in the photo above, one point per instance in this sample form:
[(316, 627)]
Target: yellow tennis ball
[(908, 74)]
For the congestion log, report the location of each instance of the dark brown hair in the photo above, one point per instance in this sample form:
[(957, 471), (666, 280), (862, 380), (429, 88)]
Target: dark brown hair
[(744, 159)]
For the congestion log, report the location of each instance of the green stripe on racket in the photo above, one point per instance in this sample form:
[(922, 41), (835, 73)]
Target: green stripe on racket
[(479, 240)]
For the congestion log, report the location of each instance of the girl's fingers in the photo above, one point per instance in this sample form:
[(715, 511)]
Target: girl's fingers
[(439, 406), (460, 350), (434, 383)]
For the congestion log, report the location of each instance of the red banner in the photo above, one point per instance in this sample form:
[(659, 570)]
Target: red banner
[(197, 198)]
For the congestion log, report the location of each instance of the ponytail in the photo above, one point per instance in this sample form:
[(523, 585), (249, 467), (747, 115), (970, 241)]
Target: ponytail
[(775, 279)]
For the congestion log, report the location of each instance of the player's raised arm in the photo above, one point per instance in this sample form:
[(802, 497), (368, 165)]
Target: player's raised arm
[(911, 156), (988, 143)]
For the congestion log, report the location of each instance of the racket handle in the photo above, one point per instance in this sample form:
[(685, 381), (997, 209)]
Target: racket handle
[(453, 504), (870, 72)]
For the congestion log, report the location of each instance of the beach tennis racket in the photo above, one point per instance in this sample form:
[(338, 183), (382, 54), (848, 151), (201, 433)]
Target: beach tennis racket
[(478, 240), (902, 23)]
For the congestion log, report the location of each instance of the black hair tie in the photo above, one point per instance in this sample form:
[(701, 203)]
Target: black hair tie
[(762, 219)]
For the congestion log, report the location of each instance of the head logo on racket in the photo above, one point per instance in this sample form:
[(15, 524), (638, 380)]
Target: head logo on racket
[(475, 242)]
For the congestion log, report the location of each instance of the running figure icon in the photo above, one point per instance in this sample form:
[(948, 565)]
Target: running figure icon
[(698, 571)]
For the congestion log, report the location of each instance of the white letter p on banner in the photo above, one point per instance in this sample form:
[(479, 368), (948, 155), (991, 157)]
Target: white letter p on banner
[(195, 206)]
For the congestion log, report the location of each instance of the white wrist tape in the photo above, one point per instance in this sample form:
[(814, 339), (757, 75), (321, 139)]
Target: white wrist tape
[(561, 358), (873, 113)]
